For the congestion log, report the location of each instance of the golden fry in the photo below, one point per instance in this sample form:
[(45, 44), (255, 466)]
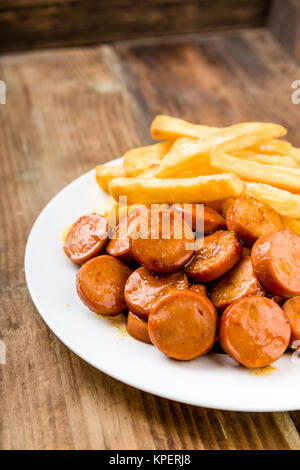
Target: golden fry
[(283, 202), (185, 190), (167, 127), (110, 210), (150, 172), (286, 178), (137, 160), (292, 224), (182, 147), (277, 160), (295, 153), (104, 173), (190, 153), (273, 147)]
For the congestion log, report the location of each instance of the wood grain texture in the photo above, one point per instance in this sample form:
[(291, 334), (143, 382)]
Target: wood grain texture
[(284, 23), (38, 23), (67, 111)]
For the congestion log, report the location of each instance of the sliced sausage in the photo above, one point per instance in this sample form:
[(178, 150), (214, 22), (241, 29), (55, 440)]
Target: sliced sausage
[(292, 309), (251, 219), (276, 262), (183, 325), (219, 253), (119, 245), (100, 285), (87, 238), (200, 288), (138, 328), (203, 219), (239, 282), (144, 289), (254, 331), (163, 242)]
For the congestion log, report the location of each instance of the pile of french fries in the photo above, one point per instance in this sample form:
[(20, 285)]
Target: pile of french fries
[(203, 164)]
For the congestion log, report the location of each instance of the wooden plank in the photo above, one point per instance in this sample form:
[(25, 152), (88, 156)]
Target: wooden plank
[(66, 111), (47, 392), (30, 24), (284, 23), (217, 79)]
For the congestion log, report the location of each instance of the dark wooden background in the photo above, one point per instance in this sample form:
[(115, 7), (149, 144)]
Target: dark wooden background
[(68, 110), (27, 24)]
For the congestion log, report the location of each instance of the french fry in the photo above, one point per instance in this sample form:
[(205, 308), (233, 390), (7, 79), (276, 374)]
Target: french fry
[(267, 159), (185, 190), (110, 210), (201, 170), (190, 153), (292, 224), (167, 127), (150, 172), (182, 147), (286, 178), (104, 173), (273, 147), (137, 160), (295, 153), (283, 202)]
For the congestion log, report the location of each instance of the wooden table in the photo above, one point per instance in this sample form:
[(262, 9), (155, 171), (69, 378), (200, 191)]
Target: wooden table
[(66, 111)]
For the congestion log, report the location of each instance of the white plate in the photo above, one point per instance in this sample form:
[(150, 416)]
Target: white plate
[(213, 381)]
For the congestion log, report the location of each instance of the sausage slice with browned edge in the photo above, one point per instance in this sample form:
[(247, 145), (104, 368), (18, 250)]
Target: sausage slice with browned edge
[(254, 331), (199, 288), (138, 328), (183, 325), (119, 245), (239, 282), (292, 309), (144, 289), (219, 253), (251, 219), (202, 219), (276, 262), (100, 285), (162, 242), (87, 238)]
